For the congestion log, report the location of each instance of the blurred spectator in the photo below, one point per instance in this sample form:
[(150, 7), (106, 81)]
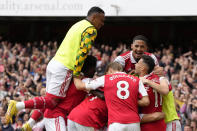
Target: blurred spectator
[(4, 126)]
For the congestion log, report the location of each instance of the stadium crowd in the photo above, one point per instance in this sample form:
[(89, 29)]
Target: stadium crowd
[(23, 67)]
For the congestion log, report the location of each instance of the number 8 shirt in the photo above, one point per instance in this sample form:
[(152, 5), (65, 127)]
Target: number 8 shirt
[(154, 106), (121, 93)]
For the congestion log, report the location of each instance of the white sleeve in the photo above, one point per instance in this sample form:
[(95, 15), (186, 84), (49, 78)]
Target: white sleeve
[(155, 59), (85, 80), (94, 84), (120, 60), (142, 89), (164, 78)]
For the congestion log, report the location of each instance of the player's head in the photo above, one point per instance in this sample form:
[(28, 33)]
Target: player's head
[(145, 65), (139, 46), (113, 67), (89, 66), (96, 16)]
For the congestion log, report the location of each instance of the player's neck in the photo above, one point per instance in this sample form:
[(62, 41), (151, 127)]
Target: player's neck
[(89, 19)]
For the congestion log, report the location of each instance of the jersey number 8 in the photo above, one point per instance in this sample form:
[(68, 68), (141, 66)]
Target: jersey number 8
[(123, 87)]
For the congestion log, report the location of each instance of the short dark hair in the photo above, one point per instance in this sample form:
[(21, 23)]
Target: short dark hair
[(148, 60), (115, 66), (95, 9), (89, 65), (141, 37)]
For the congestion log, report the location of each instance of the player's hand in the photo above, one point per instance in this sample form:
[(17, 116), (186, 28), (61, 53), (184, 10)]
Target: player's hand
[(144, 80), (159, 71)]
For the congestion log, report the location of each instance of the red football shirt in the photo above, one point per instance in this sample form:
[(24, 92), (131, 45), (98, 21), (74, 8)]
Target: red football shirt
[(92, 112), (121, 93), (127, 60), (72, 99), (154, 106)]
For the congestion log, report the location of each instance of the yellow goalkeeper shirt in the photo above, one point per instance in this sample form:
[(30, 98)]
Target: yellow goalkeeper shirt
[(168, 107), (76, 45)]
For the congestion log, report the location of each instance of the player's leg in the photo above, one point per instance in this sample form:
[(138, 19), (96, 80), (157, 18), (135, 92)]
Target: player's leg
[(55, 124), (174, 126), (58, 80), (32, 121)]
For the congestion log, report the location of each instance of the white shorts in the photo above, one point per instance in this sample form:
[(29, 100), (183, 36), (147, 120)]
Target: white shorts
[(58, 79), (39, 126), (174, 126), (73, 126), (55, 124), (124, 127)]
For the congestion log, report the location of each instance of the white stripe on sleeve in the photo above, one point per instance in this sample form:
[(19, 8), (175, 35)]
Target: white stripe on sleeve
[(155, 59), (142, 89)]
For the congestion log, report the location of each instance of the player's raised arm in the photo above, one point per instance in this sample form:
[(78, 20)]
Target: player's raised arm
[(88, 38), (162, 88)]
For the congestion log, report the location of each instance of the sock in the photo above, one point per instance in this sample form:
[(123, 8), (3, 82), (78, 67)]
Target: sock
[(40, 103), (31, 122), (37, 114), (20, 105)]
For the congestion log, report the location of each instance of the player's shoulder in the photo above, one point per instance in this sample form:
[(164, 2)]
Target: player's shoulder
[(131, 76), (135, 78), (154, 77), (148, 53), (126, 55), (91, 30)]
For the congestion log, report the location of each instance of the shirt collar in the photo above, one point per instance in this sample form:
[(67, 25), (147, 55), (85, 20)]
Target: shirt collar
[(89, 21)]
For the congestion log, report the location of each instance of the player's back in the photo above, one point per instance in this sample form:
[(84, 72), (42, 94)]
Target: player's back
[(154, 106), (91, 112), (121, 95), (67, 52)]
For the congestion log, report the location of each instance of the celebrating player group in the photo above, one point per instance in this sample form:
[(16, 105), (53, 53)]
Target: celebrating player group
[(133, 95)]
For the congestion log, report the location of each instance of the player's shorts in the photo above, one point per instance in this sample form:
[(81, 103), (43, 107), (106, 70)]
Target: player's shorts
[(39, 126), (73, 126), (58, 78), (55, 124), (124, 127), (174, 126)]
